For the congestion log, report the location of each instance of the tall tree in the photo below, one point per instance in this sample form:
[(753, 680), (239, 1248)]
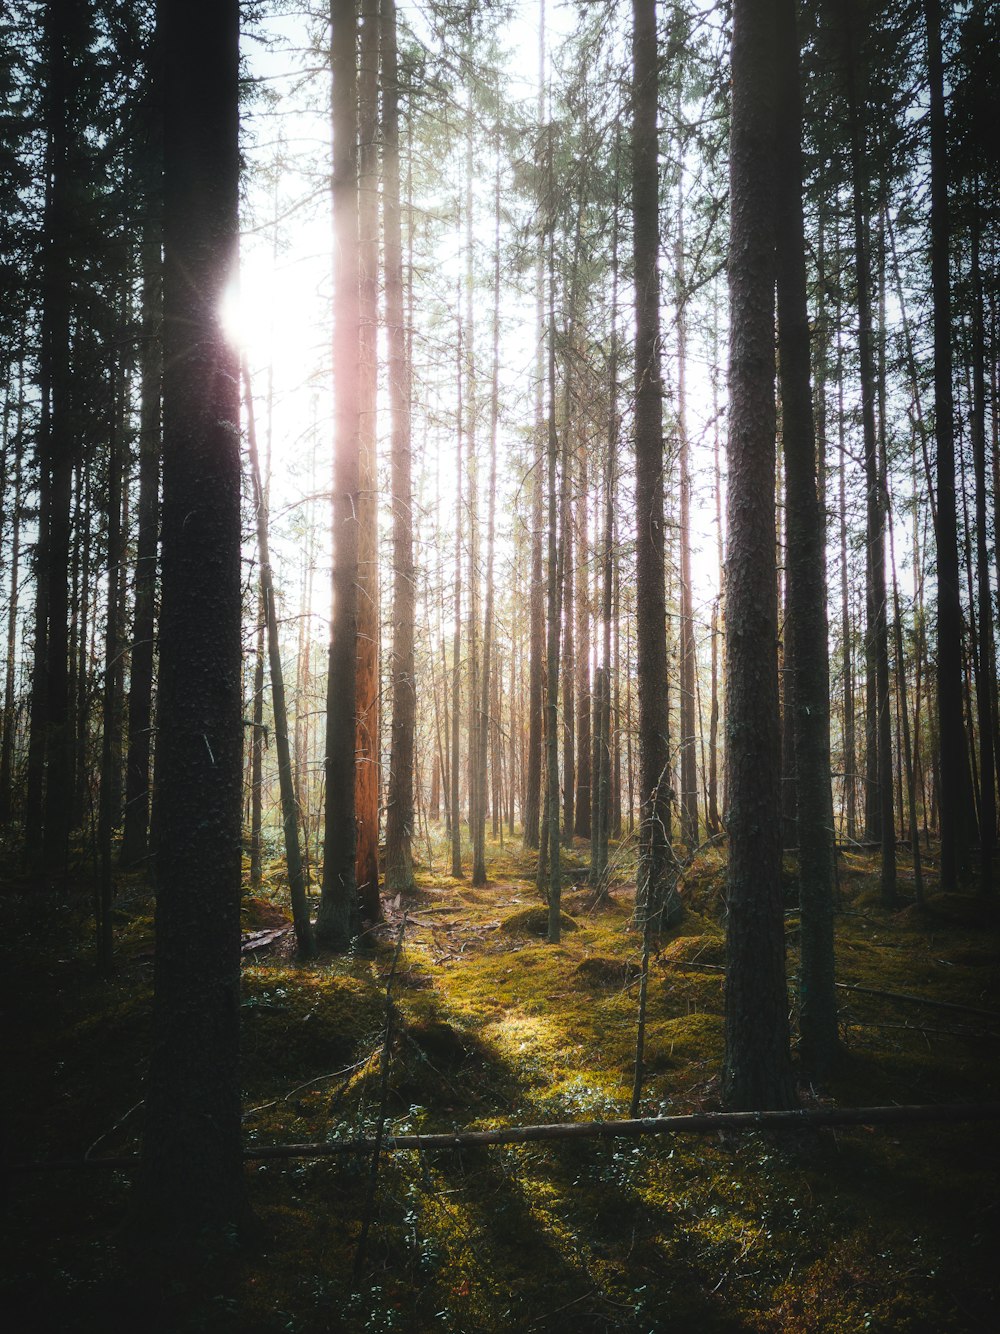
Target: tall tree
[(536, 609), (657, 897), (805, 574), (367, 745), (954, 792), (757, 1066), (399, 802), (878, 801), (192, 1188), (338, 901), (135, 836)]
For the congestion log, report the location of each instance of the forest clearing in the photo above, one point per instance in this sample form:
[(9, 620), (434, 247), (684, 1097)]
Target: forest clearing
[(887, 1228)]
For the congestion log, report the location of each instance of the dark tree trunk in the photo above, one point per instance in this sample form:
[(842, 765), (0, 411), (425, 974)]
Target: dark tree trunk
[(878, 718), (191, 1190), (51, 759), (455, 812), (687, 645), (109, 789), (554, 580), (367, 743), (536, 639), (135, 838), (399, 806), (338, 907), (955, 788), (757, 1067), (987, 661), (13, 586), (805, 578), (584, 702), (657, 898), (484, 729)]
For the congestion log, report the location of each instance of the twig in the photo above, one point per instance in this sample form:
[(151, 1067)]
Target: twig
[(640, 1027), (120, 1122)]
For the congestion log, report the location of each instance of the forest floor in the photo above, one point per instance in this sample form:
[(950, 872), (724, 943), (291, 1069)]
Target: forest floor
[(893, 1228)]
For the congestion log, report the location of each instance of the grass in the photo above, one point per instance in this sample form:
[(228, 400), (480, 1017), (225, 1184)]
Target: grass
[(885, 1229)]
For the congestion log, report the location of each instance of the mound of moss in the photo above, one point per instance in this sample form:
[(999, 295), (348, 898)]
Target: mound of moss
[(706, 949), (302, 1023), (604, 973), (534, 922), (691, 1037)]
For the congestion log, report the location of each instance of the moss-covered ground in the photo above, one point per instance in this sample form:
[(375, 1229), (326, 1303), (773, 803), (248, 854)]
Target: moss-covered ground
[(868, 1229)]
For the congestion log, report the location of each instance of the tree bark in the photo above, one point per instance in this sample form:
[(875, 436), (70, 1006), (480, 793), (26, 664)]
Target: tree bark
[(879, 726), (805, 578), (192, 1189), (536, 640), (399, 801), (954, 790), (656, 893), (757, 1067), (135, 837), (367, 746), (338, 909), (687, 646)]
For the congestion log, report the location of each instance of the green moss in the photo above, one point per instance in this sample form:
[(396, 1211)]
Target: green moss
[(880, 1229), (709, 950), (534, 922)]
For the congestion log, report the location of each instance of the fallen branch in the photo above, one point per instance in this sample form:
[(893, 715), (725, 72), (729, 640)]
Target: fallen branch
[(923, 1029), (917, 1000), (799, 1118), (861, 991)]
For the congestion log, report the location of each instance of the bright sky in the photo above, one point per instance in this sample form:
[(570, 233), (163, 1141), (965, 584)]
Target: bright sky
[(283, 312)]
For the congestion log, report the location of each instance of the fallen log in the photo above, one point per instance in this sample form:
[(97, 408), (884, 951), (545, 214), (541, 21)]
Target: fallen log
[(799, 1118)]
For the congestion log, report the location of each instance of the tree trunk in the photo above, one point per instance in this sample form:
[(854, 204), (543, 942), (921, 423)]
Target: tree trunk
[(399, 803), (805, 578), (367, 748), (109, 712), (757, 1068), (135, 838), (338, 909), (954, 790), (456, 650), (536, 644), (879, 728), (50, 760), (656, 893), (192, 1190), (554, 579), (9, 712), (687, 645), (479, 835), (987, 660)]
